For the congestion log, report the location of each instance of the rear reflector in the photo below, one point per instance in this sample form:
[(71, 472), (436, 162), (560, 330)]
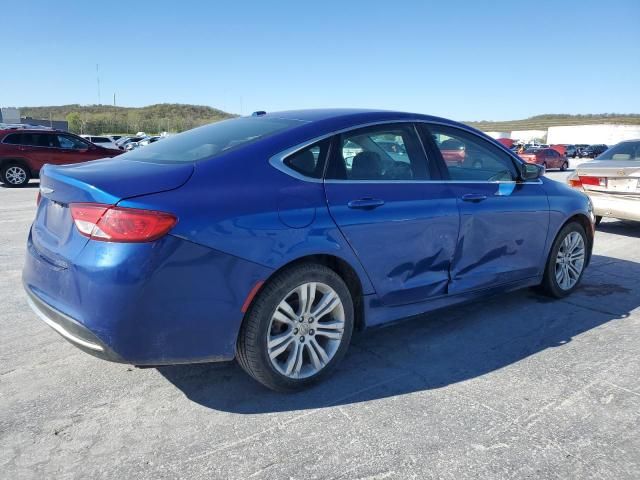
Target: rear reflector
[(118, 224)]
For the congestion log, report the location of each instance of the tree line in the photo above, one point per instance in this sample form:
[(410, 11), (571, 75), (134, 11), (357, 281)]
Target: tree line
[(153, 119)]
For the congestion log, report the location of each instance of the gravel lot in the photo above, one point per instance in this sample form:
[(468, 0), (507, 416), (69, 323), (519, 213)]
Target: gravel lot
[(517, 386)]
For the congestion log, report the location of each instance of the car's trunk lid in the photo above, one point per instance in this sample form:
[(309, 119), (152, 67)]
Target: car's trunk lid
[(54, 235), (615, 177)]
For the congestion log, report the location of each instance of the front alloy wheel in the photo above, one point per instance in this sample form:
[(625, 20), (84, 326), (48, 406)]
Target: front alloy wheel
[(570, 261), (566, 261), (297, 329)]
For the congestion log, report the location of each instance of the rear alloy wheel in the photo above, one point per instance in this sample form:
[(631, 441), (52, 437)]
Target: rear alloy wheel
[(297, 329), (15, 175), (566, 262)]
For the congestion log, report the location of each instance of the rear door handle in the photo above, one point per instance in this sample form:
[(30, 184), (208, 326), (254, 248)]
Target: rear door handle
[(474, 197), (366, 203)]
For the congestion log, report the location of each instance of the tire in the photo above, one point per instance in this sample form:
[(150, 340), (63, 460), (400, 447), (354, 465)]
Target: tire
[(544, 164), (15, 175), (263, 325), (550, 285), (564, 166), (598, 220)]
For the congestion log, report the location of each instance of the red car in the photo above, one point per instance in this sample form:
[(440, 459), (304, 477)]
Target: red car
[(24, 152), (547, 157), (561, 149)]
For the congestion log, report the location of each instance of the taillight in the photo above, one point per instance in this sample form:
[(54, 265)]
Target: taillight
[(119, 224), (597, 181), (578, 182)]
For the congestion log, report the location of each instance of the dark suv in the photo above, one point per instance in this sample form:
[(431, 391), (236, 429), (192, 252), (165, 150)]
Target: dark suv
[(24, 152), (592, 151)]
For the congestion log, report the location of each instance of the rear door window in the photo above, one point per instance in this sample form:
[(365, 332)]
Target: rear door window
[(389, 152)]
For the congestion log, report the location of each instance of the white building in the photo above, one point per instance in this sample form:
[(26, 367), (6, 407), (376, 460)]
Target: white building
[(592, 134), (497, 135), (528, 136), (9, 115)]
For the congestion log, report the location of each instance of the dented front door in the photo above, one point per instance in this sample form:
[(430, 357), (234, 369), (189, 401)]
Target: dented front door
[(503, 230)]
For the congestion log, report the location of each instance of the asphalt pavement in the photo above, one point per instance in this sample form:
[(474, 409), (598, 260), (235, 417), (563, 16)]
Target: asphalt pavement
[(515, 386)]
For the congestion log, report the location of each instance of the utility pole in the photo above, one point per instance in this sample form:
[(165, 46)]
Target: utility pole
[(114, 99), (98, 80)]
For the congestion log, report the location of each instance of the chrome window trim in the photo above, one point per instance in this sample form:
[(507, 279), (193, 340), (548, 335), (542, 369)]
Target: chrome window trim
[(277, 160)]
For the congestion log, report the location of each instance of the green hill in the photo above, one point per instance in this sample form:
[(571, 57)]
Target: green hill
[(174, 117), (97, 119), (542, 122)]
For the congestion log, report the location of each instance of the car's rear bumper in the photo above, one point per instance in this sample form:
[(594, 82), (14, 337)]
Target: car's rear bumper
[(626, 207), (70, 329), (164, 302)]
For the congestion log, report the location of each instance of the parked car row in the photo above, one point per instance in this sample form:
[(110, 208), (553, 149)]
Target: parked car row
[(129, 143)]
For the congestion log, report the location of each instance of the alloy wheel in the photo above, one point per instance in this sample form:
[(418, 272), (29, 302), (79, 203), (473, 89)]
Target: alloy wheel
[(306, 330), (570, 261), (15, 175)]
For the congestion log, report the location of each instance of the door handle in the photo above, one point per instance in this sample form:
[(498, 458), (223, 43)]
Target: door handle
[(366, 203), (473, 197)]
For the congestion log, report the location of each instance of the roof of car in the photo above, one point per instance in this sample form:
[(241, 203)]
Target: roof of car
[(359, 114), (30, 130), (319, 122)]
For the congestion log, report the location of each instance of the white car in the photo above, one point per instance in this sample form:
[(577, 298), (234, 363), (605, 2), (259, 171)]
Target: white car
[(102, 141), (148, 140)]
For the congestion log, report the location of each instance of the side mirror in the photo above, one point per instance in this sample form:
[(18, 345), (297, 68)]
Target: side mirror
[(531, 171)]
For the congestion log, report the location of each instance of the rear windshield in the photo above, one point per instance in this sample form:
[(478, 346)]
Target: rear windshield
[(622, 151), (210, 140)]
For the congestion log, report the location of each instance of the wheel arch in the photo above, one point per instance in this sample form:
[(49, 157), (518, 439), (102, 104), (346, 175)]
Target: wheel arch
[(340, 266), (584, 221), (21, 161)]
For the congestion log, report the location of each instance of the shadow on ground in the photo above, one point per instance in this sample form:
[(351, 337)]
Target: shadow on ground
[(31, 184), (621, 227), (433, 350)]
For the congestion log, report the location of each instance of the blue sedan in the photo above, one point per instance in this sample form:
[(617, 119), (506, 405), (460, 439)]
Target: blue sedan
[(271, 238)]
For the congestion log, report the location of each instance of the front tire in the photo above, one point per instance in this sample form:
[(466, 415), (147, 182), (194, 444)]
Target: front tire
[(566, 263), (297, 329), (15, 175)]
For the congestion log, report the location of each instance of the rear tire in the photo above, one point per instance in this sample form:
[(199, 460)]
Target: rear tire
[(288, 341), (566, 263), (15, 175)]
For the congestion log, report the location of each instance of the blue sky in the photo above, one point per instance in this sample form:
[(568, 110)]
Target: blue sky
[(468, 60)]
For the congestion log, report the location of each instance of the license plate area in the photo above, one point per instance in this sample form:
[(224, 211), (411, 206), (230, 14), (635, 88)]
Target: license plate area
[(622, 184), (55, 220)]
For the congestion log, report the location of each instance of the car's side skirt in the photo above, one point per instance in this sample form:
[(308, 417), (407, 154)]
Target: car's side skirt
[(376, 314)]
